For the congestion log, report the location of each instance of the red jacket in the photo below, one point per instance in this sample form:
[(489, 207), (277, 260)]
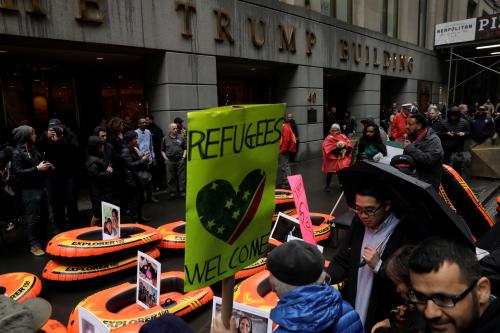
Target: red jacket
[(288, 142), (398, 128)]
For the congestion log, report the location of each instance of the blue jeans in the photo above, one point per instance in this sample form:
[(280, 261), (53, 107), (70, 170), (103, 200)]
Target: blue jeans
[(37, 210)]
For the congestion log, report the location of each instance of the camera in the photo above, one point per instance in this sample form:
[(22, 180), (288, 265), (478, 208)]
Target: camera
[(58, 131)]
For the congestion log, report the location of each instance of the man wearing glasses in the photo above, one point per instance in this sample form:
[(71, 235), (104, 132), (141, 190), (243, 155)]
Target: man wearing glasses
[(449, 289), (376, 232)]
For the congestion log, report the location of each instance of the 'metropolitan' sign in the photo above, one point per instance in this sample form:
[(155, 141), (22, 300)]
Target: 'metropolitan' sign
[(455, 32), (474, 29)]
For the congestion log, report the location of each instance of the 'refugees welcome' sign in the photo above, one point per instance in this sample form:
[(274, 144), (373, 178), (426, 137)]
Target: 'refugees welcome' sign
[(232, 163)]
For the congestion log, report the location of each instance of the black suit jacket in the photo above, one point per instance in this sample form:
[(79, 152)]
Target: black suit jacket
[(345, 265)]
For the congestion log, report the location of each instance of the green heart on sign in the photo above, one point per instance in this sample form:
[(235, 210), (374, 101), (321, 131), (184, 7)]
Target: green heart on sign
[(225, 213)]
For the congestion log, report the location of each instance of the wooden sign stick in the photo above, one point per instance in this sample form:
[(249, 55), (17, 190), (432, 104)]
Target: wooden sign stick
[(337, 203), (227, 300)]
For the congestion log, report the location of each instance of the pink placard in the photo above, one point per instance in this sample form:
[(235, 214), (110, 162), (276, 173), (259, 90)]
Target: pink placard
[(299, 196)]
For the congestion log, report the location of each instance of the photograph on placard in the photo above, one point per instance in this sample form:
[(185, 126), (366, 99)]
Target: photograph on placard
[(110, 221), (149, 269), (147, 295), (89, 322), (285, 228), (248, 319)]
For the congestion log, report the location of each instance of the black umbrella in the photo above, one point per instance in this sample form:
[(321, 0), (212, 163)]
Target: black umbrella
[(410, 196)]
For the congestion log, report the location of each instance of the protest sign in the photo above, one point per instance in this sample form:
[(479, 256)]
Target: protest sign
[(247, 318), (148, 281), (299, 196), (232, 163), (89, 323), (110, 217)]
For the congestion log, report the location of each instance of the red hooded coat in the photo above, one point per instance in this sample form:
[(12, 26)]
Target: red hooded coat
[(335, 163)]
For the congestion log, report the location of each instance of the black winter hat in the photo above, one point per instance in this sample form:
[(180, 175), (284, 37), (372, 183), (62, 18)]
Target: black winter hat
[(54, 122), (404, 163), (453, 109), (296, 263)]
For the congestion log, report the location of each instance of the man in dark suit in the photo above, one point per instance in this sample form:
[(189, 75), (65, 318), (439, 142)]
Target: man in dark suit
[(376, 232)]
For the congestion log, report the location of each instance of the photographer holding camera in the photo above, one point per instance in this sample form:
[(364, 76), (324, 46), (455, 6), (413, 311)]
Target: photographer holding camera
[(59, 146)]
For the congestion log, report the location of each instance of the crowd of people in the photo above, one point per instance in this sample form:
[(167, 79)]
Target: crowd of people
[(40, 173), (393, 277), (459, 128), (429, 138)]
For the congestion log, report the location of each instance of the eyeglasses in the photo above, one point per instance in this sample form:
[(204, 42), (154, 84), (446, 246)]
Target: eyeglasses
[(443, 301), (367, 212)]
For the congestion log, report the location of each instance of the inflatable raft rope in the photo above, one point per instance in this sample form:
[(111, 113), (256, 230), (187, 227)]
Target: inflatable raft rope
[(116, 306), (86, 246), (172, 235), (20, 286), (446, 199), (465, 202), (56, 272)]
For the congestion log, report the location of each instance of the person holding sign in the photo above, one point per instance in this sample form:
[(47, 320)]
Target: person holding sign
[(376, 232), (307, 302)]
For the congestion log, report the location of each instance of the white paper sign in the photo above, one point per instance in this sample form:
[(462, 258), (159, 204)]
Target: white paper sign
[(148, 281), (89, 323), (247, 319), (110, 216)]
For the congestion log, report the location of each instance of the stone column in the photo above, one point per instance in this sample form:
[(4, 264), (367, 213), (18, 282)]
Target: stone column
[(177, 83), (364, 100), (408, 92), (302, 89)]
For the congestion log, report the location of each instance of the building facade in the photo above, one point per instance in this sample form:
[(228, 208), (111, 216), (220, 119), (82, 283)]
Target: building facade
[(84, 60)]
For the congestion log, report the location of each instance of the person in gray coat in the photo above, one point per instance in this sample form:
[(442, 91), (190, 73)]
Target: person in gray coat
[(424, 146)]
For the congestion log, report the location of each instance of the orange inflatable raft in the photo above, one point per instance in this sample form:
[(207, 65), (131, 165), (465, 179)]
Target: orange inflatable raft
[(116, 306), (283, 198), (172, 235), (465, 202), (252, 269), (322, 223), (56, 272), (86, 245), (53, 326), (20, 286), (256, 292)]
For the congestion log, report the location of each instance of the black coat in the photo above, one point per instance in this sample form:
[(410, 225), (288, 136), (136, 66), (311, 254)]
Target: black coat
[(132, 163), (490, 266), (428, 156), (99, 182), (64, 155), (345, 265), (489, 322), (24, 162), (454, 143)]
